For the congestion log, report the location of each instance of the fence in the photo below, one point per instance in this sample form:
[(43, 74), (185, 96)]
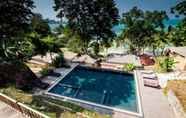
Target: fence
[(25, 110)]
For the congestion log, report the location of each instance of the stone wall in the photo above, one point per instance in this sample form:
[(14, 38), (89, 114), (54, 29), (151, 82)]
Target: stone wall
[(175, 103)]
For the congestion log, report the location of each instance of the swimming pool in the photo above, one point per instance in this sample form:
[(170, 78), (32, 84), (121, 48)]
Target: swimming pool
[(105, 88)]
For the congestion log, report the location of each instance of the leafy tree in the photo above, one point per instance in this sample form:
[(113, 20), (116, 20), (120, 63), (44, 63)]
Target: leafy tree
[(95, 47), (42, 45), (14, 20), (75, 44), (137, 29), (158, 37), (167, 64), (39, 25), (59, 61), (51, 45), (59, 30), (178, 35), (39, 46), (90, 19), (180, 8), (14, 17), (63, 35), (142, 28)]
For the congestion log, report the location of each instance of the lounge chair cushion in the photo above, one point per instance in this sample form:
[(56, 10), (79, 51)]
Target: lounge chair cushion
[(151, 82)]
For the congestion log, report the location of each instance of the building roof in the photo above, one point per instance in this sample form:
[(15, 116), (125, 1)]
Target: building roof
[(179, 50), (124, 59)]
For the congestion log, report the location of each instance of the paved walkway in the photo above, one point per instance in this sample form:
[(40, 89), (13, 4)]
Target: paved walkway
[(8, 112), (63, 71), (154, 103)]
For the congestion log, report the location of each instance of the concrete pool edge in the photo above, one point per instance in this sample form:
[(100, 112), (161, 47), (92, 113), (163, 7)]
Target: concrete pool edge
[(95, 105)]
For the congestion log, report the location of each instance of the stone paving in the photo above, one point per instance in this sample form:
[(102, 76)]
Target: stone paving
[(154, 103), (8, 112)]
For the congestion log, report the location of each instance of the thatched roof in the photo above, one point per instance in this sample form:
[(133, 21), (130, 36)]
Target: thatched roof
[(178, 50)]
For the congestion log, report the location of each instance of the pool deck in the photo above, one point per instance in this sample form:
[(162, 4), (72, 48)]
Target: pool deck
[(63, 71), (154, 103)]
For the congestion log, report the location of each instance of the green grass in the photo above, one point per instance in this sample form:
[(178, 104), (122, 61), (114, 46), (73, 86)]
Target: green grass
[(48, 106)]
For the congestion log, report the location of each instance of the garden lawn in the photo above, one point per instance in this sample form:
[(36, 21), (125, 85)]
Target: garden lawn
[(51, 109)]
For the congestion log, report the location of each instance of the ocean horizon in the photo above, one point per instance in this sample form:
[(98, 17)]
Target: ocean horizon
[(120, 27)]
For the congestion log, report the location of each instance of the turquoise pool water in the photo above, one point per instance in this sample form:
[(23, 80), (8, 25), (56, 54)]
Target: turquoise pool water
[(108, 88)]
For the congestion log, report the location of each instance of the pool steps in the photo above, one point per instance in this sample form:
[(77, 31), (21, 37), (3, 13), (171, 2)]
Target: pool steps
[(69, 86), (104, 96), (77, 92)]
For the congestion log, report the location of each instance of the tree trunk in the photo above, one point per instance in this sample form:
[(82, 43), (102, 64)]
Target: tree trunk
[(154, 51), (51, 56)]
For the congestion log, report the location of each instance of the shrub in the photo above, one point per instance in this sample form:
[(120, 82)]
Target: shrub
[(164, 64), (167, 64), (59, 61), (45, 71), (129, 67)]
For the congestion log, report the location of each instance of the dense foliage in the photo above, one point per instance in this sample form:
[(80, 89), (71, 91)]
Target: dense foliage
[(178, 36), (167, 64), (180, 8), (39, 25), (14, 22), (164, 64), (14, 17), (141, 28), (90, 19), (129, 67), (59, 61)]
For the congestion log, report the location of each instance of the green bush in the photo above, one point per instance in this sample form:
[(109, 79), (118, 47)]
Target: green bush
[(59, 61), (51, 105), (45, 71), (75, 44), (129, 67), (167, 64)]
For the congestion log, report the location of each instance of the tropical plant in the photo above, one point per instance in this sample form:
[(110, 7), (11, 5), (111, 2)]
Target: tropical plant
[(136, 31), (141, 29), (95, 47), (51, 45), (40, 47), (158, 37), (178, 34), (45, 71), (63, 35), (14, 17), (40, 25), (129, 67), (75, 44), (166, 64), (180, 8), (59, 61), (18, 14), (91, 20)]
